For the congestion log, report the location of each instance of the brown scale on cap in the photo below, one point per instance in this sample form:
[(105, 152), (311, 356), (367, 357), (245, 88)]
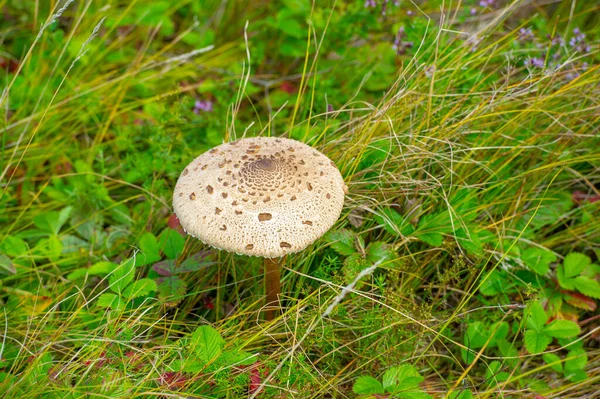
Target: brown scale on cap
[(287, 209)]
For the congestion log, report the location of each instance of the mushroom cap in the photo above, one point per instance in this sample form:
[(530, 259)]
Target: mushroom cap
[(260, 196)]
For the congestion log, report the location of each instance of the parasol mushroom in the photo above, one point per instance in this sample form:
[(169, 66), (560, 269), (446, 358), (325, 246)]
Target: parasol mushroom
[(260, 196)]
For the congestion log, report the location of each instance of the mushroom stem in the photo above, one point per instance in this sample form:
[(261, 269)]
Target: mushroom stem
[(272, 287)]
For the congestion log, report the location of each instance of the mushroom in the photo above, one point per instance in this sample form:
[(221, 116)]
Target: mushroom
[(260, 196)]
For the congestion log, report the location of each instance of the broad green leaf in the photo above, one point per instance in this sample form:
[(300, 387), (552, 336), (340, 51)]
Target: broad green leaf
[(236, 358), (55, 247), (14, 246), (537, 317), (576, 360), (51, 222), (574, 263), (493, 373), (464, 394), (149, 250), (122, 276), (500, 331), (538, 259), (536, 342), (6, 265), (353, 265), (394, 223), (139, 288), (207, 343), (476, 335), (196, 262), (562, 329), (112, 301), (587, 286), (401, 377), (342, 241), (379, 251), (414, 395), (167, 267), (96, 269), (433, 239), (554, 361), (171, 288), (101, 268), (507, 349), (565, 282), (496, 283), (576, 375), (367, 385), (171, 243), (469, 240)]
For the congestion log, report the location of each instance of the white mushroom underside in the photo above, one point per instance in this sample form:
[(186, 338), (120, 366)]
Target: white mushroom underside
[(259, 196)]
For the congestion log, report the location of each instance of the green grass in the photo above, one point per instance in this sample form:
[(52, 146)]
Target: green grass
[(472, 158)]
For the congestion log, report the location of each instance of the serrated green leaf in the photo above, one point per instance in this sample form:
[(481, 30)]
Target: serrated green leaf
[(574, 263), (537, 317), (379, 251), (353, 265), (401, 378), (122, 276), (149, 250), (554, 361), (112, 301), (171, 243), (565, 282), (562, 329), (207, 343), (171, 288), (414, 395), (139, 288), (538, 259), (367, 385), (536, 342), (576, 360), (101, 268), (342, 241), (587, 286)]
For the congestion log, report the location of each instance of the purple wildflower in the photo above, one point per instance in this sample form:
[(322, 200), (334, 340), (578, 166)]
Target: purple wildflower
[(370, 3), (399, 46), (556, 40), (429, 70), (203, 105), (578, 42), (536, 62), (526, 35), (473, 11)]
